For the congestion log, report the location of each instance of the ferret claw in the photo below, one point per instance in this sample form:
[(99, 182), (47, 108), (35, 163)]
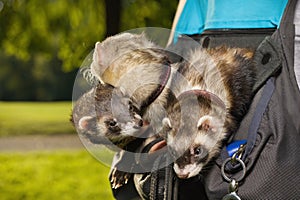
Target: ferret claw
[(119, 178), (116, 186)]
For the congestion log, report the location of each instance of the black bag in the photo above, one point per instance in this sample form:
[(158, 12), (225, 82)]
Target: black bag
[(272, 126)]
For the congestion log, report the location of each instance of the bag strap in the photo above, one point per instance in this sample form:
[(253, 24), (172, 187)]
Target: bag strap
[(258, 114), (163, 184)]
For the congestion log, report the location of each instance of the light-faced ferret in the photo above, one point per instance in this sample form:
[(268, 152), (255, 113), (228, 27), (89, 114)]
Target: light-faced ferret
[(194, 130), (215, 90)]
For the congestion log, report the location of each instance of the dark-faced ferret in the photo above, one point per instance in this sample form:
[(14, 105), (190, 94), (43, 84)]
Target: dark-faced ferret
[(215, 90), (103, 119)]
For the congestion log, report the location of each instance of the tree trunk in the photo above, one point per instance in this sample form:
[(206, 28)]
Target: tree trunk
[(113, 14)]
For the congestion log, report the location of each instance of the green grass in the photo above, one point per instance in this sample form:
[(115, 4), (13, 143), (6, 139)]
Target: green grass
[(29, 118), (45, 175), (52, 175)]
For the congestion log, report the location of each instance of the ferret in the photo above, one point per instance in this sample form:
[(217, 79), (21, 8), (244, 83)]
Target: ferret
[(102, 119), (214, 90)]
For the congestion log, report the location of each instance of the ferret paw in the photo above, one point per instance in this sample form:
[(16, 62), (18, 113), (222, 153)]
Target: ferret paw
[(119, 178)]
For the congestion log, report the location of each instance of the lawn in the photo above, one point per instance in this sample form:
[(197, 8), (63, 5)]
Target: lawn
[(49, 175), (29, 118)]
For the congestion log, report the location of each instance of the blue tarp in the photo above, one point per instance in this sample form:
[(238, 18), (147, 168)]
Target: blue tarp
[(200, 15)]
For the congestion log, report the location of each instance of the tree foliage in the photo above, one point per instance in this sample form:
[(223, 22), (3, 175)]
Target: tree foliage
[(44, 42), (146, 13), (51, 28)]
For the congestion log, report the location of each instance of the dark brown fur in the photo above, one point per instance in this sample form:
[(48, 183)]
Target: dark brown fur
[(102, 121)]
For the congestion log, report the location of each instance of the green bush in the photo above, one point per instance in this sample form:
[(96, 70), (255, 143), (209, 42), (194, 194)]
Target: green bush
[(52, 175)]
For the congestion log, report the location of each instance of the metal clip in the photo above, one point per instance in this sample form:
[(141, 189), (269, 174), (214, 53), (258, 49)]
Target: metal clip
[(229, 179), (233, 182), (238, 154)]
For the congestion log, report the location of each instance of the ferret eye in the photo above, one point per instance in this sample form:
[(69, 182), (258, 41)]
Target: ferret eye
[(131, 106), (198, 151), (112, 123)]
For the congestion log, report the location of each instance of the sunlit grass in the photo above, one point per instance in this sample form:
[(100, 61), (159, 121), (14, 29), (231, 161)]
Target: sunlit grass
[(29, 118), (52, 175)]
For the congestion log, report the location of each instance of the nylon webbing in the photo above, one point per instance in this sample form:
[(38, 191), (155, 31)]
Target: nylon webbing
[(154, 180), (169, 187), (258, 114)]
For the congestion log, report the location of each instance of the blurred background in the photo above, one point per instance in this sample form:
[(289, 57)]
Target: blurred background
[(43, 43)]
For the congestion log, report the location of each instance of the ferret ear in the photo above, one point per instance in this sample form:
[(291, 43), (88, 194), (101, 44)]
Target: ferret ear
[(85, 123), (207, 123), (98, 58), (98, 54), (166, 127), (167, 123)]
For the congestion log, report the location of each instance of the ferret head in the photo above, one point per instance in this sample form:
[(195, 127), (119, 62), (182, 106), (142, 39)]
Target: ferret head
[(194, 132), (106, 129), (112, 120)]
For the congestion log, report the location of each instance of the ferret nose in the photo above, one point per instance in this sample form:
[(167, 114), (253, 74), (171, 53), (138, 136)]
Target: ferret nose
[(140, 123)]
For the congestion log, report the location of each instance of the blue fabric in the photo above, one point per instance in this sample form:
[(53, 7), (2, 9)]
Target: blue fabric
[(200, 15), (233, 147)]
